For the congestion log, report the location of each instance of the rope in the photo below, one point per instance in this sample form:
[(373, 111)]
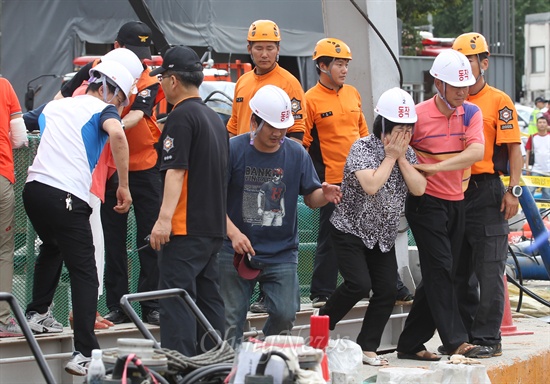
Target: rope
[(180, 363)]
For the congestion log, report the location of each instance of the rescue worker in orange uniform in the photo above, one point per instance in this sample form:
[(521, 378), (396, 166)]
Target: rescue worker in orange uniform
[(334, 122), (489, 204), (264, 38)]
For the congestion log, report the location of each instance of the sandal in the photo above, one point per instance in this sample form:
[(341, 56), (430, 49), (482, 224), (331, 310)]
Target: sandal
[(100, 322), (375, 361), (420, 355), (101, 319)]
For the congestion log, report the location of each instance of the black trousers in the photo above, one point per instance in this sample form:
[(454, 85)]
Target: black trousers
[(363, 269), (438, 229), (66, 238), (190, 263), (480, 284), (325, 266), (145, 187)]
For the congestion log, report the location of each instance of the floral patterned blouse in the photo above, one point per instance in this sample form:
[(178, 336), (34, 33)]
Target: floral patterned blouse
[(373, 218)]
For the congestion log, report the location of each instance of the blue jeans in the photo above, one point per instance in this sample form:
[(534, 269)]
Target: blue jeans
[(279, 284)]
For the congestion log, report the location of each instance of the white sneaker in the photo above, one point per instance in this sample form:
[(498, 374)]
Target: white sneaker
[(78, 364), (10, 329), (43, 323)]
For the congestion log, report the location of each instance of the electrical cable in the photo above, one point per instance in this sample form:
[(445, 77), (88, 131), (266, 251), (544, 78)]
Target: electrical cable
[(395, 60), (528, 291), (180, 363), (211, 372), (518, 272), (519, 284), (208, 98), (158, 376)]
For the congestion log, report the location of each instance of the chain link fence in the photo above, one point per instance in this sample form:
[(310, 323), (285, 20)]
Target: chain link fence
[(27, 248)]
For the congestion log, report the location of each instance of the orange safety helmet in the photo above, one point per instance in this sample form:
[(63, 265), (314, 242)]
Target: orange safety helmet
[(471, 43), (332, 48), (264, 30)]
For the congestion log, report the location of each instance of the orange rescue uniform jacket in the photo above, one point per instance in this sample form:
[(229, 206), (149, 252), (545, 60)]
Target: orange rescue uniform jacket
[(143, 137), (246, 88), (334, 122), (500, 126)]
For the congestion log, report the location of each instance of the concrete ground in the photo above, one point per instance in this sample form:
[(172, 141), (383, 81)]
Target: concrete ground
[(525, 358)]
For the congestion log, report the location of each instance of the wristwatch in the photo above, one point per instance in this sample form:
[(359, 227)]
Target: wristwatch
[(515, 190)]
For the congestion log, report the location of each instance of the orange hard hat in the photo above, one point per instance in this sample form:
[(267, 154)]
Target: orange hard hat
[(332, 48), (471, 43), (264, 30)]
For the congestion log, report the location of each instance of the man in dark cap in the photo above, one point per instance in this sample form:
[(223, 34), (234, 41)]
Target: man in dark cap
[(136, 36), (191, 224), (142, 134)]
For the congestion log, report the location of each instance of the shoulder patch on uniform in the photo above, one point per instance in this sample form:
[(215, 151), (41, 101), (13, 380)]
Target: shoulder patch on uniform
[(168, 144), (505, 114), (239, 100), (326, 114), (145, 93), (295, 104)]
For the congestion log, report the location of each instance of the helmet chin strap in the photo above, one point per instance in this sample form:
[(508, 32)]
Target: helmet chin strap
[(481, 70), (106, 89), (443, 97), (329, 74), (254, 133)]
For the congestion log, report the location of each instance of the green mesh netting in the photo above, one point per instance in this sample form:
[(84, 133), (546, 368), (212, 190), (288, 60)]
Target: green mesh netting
[(26, 248)]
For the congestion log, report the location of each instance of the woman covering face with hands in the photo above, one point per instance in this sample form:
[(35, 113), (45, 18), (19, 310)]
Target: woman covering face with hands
[(378, 175)]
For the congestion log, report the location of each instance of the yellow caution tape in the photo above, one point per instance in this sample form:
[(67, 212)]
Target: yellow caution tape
[(529, 181)]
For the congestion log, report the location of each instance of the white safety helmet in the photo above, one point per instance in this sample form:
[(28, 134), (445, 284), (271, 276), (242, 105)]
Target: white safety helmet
[(453, 68), (397, 106), (272, 105), (116, 74), (127, 58)]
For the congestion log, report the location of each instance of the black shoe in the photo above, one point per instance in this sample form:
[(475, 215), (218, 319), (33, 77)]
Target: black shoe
[(152, 317), (405, 298), (117, 316), (496, 350), (259, 306), (319, 301), (479, 352)]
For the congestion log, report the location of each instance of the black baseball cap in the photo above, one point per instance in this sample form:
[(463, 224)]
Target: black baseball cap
[(136, 36), (540, 100), (179, 58)]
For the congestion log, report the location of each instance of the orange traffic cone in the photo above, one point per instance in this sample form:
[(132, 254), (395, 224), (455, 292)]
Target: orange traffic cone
[(507, 328)]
